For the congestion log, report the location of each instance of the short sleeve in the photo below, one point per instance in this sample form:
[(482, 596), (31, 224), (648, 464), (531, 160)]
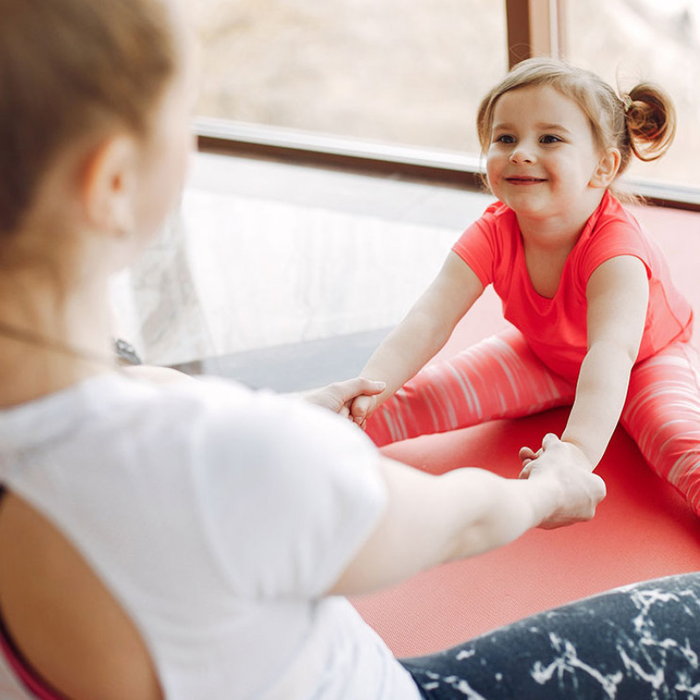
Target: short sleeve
[(477, 247), (288, 493), (611, 240)]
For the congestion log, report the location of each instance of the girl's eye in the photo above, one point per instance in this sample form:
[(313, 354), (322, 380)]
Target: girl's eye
[(550, 138), (505, 138)]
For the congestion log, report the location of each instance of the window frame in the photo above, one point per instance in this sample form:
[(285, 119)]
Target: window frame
[(534, 28)]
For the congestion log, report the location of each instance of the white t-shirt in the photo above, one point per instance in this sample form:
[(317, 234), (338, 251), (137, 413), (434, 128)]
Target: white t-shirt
[(217, 517)]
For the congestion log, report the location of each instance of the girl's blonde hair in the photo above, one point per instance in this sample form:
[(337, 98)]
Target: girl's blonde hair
[(70, 68), (641, 122)]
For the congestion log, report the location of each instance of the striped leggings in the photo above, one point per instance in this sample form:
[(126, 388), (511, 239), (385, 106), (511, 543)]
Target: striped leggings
[(501, 377)]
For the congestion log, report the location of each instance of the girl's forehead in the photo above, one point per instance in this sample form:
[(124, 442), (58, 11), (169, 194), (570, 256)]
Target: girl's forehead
[(538, 103)]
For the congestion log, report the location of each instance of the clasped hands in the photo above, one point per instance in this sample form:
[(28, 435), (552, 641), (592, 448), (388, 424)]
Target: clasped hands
[(571, 488), (570, 473)]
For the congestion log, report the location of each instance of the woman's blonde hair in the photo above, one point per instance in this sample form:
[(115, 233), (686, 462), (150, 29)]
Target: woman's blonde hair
[(69, 68), (641, 122)]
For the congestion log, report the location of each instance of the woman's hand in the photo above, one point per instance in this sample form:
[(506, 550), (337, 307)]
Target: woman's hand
[(569, 472), (362, 408)]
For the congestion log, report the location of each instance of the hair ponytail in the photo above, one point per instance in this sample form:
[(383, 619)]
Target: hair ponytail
[(641, 123), (650, 118)]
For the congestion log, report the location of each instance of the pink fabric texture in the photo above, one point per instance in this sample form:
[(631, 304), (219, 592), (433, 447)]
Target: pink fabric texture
[(533, 367), (556, 328), (500, 377)]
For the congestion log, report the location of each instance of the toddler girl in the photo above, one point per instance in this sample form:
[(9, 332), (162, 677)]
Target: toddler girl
[(193, 540), (597, 320)]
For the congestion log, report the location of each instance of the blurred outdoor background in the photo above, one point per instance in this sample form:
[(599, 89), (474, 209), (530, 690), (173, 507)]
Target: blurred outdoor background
[(414, 73), (269, 260)]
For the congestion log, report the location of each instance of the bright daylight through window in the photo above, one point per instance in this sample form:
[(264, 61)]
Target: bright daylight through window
[(373, 69), (383, 71), (628, 41)]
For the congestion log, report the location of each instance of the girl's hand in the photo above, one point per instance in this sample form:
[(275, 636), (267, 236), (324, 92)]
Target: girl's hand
[(527, 455), (577, 490), (575, 456), (338, 397), (361, 409)]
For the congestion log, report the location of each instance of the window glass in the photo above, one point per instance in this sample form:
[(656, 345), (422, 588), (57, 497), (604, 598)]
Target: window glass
[(628, 41), (384, 70)]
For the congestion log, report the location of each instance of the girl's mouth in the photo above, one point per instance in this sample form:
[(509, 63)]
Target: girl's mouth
[(525, 180)]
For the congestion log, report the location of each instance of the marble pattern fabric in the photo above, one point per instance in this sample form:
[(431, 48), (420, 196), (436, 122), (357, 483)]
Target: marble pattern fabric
[(637, 642)]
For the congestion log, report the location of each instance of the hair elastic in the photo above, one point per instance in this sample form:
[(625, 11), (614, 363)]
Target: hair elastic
[(626, 102)]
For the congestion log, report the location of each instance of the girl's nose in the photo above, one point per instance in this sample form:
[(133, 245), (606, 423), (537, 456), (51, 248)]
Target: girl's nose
[(522, 154)]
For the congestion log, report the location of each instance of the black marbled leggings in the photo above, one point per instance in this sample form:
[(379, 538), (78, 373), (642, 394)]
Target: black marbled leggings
[(638, 642)]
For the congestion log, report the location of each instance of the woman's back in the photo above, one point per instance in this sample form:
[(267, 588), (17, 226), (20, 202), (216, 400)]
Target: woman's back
[(60, 617), (217, 539)]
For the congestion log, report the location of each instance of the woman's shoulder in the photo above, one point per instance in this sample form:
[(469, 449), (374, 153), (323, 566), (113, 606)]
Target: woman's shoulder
[(135, 454), (97, 430), (213, 420), (121, 433)]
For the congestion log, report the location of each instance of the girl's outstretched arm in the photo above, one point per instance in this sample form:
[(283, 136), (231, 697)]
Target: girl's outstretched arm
[(429, 520), (618, 295), (424, 331)]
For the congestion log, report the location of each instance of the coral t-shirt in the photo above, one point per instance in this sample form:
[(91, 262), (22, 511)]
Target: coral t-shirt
[(555, 328)]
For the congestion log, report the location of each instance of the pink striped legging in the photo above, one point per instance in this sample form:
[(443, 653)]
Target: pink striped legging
[(500, 377)]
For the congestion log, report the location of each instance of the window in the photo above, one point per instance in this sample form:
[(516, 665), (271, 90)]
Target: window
[(626, 41), (381, 70), (389, 74)]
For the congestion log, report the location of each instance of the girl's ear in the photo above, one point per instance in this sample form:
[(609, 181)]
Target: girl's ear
[(607, 168), (108, 183)]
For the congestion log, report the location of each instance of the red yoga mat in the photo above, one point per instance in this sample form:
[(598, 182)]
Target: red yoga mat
[(642, 530)]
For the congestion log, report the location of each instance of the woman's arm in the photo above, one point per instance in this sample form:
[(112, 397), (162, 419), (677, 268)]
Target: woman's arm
[(424, 331), (430, 520), (618, 295)]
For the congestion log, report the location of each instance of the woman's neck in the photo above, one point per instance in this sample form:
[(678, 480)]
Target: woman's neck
[(50, 338)]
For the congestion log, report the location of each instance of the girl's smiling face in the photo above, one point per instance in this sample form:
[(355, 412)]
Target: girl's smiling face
[(542, 160)]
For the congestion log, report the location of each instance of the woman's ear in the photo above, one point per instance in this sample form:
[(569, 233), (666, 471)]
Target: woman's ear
[(607, 168), (108, 183)]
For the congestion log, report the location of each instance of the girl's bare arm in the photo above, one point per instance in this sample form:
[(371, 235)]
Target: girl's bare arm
[(618, 295), (424, 331)]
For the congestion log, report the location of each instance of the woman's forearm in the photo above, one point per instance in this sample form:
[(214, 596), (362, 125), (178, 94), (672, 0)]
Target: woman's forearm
[(431, 520)]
